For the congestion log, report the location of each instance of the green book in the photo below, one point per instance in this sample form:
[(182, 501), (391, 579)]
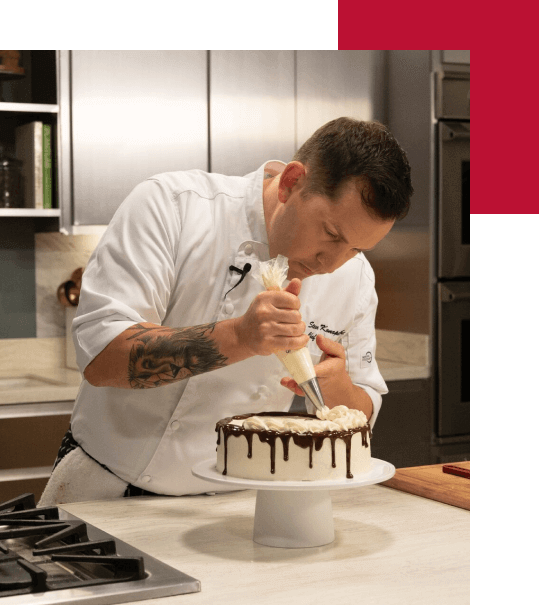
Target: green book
[(47, 166), (29, 149)]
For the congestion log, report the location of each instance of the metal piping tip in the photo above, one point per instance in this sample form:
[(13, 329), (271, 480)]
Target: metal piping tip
[(311, 388)]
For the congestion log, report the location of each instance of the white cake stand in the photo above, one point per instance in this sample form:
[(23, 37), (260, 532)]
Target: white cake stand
[(294, 514)]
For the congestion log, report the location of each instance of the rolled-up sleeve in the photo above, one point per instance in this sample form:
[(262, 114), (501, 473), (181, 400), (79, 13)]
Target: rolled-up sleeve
[(130, 275), (360, 344)]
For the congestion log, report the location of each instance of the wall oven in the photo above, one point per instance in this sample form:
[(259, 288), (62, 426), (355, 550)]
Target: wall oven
[(453, 418), (454, 199), (452, 266)]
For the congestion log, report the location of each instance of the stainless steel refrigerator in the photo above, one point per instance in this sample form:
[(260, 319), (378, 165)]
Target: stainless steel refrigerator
[(423, 267)]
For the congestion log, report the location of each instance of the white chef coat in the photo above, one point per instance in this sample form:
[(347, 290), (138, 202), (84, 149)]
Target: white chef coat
[(165, 259)]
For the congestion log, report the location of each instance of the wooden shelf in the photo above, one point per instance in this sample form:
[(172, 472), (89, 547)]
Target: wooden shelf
[(28, 108), (29, 212)]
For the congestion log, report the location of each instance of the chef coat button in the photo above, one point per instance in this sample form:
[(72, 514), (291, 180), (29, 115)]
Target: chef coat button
[(263, 391), (229, 308), (175, 425), (146, 478), (255, 396), (248, 249)]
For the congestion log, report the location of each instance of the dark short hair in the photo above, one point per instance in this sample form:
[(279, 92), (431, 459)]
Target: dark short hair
[(345, 149)]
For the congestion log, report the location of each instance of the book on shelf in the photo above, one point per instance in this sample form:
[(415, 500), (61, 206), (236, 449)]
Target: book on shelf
[(47, 166), (33, 146)]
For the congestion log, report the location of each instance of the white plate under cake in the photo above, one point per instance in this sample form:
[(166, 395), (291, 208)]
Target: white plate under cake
[(282, 446)]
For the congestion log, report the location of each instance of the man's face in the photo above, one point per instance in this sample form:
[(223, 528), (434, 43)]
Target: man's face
[(318, 236)]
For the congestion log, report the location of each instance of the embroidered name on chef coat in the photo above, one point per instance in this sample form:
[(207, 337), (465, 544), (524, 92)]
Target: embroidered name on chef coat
[(322, 328)]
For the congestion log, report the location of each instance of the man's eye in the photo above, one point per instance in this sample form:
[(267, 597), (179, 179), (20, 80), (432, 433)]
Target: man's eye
[(334, 235)]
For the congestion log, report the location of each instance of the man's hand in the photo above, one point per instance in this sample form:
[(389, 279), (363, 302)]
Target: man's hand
[(331, 371), (336, 386), (273, 322)]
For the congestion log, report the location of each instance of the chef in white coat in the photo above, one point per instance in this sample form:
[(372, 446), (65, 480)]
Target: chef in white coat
[(173, 332)]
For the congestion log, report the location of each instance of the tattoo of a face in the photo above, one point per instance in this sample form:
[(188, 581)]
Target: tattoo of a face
[(165, 355)]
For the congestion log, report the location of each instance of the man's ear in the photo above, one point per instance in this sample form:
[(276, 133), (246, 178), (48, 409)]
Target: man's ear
[(293, 178)]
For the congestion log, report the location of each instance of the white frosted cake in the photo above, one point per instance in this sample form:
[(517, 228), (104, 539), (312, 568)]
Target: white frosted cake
[(281, 446)]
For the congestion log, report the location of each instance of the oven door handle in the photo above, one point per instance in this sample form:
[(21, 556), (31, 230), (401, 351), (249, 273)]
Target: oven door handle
[(453, 131), (449, 295)]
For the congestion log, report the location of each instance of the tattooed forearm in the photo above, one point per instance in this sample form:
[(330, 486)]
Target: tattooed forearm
[(163, 355)]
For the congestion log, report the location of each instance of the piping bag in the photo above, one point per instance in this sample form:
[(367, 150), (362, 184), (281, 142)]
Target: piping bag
[(272, 274)]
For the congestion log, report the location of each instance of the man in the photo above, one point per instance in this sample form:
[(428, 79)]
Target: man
[(167, 301)]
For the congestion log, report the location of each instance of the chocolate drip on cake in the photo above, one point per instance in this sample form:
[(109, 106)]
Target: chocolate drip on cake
[(286, 440), (303, 440), (269, 438), (249, 445)]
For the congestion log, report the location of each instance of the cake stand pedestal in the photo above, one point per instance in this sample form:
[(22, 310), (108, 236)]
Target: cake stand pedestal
[(294, 514)]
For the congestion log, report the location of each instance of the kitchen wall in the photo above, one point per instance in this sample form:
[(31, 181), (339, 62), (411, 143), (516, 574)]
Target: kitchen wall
[(17, 279), (56, 257), (32, 266)]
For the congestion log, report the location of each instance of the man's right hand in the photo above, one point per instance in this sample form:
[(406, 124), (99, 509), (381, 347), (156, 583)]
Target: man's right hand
[(273, 322)]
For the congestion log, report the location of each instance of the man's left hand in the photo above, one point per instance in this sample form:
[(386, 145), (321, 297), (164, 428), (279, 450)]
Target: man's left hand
[(331, 372)]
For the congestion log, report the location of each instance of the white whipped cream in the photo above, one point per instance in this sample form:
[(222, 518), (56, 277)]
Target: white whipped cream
[(339, 418)]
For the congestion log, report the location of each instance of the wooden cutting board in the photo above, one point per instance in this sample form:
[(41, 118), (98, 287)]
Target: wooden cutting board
[(433, 483)]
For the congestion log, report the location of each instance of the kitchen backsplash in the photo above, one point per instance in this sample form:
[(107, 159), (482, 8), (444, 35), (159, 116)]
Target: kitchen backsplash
[(56, 257)]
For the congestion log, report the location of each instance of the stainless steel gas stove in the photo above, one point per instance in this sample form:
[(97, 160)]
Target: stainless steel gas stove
[(48, 557)]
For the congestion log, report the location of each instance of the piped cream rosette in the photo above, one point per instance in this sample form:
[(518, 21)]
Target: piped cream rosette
[(339, 418), (272, 275)]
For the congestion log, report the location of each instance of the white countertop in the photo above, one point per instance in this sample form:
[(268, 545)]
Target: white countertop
[(390, 548), (400, 356)]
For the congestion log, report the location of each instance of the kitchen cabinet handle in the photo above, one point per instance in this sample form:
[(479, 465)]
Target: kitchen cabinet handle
[(449, 295), (456, 131), (456, 296)]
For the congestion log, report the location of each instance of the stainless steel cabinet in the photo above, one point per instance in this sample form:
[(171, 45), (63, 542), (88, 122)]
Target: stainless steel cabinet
[(403, 431), (265, 104), (335, 83), (251, 109), (30, 436), (138, 113), (456, 56), (133, 114)]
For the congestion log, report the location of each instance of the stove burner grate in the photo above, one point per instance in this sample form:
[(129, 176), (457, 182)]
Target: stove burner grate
[(39, 552)]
